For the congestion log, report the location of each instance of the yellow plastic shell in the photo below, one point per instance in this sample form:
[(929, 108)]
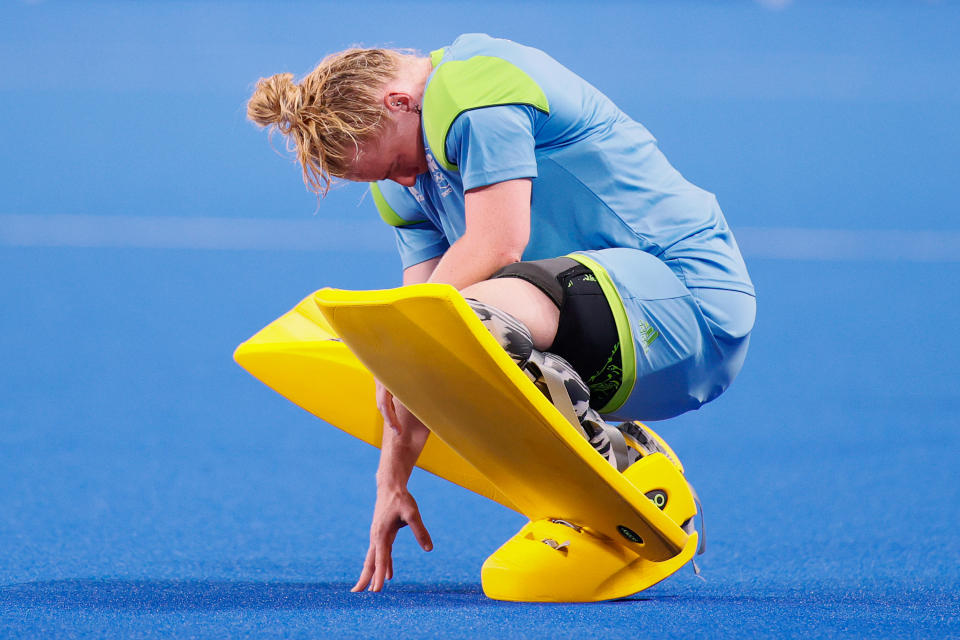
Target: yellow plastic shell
[(593, 535), (299, 356)]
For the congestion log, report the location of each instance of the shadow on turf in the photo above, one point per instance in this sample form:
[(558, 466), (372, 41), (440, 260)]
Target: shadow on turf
[(222, 595)]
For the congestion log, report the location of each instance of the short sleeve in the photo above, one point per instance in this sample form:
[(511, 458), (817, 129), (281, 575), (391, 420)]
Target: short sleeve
[(493, 144), (417, 238), (419, 243)]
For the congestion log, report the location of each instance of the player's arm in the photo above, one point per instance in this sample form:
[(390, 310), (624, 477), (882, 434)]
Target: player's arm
[(399, 450), (420, 273), (395, 506), (498, 229), (497, 232), (494, 149)]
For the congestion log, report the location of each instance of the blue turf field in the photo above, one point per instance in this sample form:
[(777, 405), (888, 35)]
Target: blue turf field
[(150, 488)]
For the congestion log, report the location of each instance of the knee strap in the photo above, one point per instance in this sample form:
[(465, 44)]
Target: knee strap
[(556, 389), (558, 377)]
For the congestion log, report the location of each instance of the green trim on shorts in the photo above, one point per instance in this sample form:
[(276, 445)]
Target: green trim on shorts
[(389, 216), (624, 334)]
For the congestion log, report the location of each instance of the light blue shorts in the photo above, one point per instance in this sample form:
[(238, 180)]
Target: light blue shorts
[(688, 343)]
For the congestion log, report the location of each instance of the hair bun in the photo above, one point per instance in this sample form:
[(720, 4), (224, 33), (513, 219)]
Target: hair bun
[(276, 101), (332, 111)]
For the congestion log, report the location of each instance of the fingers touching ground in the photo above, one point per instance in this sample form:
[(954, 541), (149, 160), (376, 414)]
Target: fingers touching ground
[(378, 565), (393, 512), (368, 566)]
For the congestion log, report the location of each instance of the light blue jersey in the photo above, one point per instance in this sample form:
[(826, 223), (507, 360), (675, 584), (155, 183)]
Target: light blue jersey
[(599, 179), (603, 193)]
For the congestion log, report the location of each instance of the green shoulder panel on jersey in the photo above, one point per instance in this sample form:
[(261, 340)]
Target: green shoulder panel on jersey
[(389, 216), (461, 85)]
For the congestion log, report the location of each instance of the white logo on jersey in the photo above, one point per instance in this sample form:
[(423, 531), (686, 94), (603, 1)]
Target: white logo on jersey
[(441, 181), (416, 194)]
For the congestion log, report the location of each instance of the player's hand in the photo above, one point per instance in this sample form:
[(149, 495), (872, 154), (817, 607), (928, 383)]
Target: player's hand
[(387, 405), (394, 510)]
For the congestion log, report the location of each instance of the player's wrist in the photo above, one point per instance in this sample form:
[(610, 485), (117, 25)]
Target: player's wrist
[(392, 481)]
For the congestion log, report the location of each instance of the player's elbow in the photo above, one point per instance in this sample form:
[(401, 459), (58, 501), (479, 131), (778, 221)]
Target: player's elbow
[(509, 253), (511, 245), (496, 252)]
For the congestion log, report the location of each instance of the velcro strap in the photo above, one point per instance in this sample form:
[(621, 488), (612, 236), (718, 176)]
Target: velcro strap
[(618, 444), (557, 390)]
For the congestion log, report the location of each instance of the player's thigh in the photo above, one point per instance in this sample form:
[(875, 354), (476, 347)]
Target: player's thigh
[(524, 301)]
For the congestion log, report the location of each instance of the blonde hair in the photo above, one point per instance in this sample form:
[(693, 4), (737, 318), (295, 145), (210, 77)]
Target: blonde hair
[(334, 109)]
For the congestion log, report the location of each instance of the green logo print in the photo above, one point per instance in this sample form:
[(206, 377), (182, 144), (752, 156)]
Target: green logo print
[(586, 277), (647, 334), (605, 382)]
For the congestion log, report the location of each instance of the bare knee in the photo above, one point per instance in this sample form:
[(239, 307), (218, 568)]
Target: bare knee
[(522, 300)]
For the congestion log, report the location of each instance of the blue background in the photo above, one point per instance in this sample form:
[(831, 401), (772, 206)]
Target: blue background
[(149, 487)]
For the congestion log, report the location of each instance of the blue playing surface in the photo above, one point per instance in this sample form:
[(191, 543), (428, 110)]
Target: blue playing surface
[(149, 487)]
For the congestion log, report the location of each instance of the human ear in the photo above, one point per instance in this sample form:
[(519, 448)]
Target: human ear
[(397, 101)]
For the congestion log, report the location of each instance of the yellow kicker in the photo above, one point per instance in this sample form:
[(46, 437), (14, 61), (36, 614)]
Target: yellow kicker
[(299, 356), (593, 533)]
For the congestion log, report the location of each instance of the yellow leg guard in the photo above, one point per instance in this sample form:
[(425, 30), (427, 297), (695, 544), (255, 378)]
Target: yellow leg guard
[(502, 439), (557, 561), (552, 562)]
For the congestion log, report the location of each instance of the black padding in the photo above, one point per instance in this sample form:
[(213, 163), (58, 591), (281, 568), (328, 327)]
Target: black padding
[(587, 336), (543, 274)]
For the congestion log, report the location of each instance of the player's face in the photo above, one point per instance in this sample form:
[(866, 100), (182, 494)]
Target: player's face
[(396, 154)]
